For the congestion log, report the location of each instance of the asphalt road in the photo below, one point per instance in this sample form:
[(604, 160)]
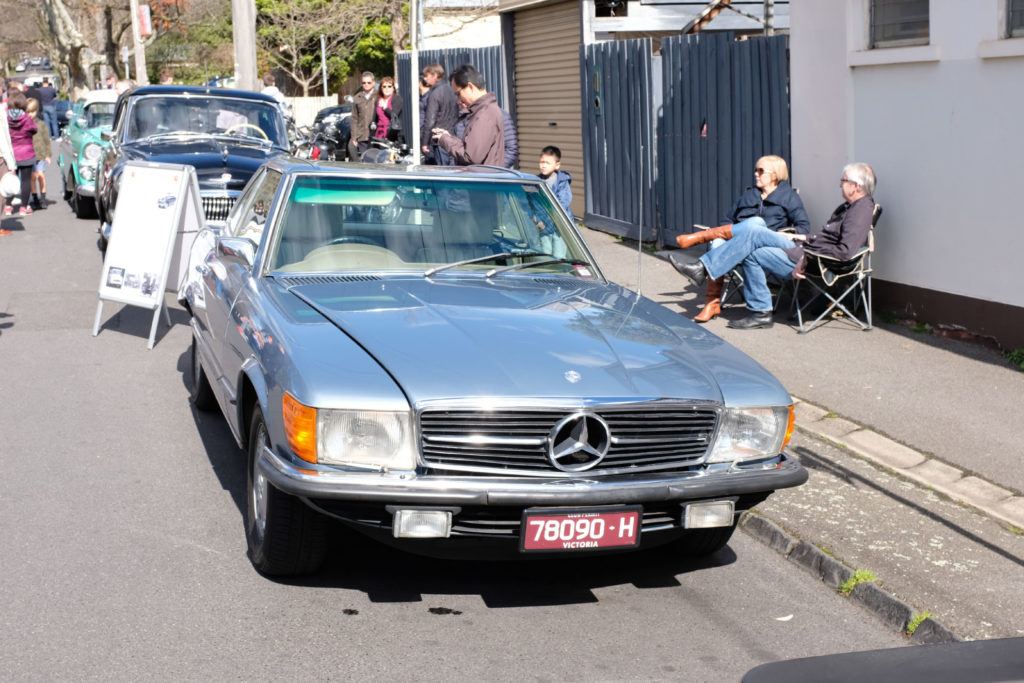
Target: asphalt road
[(124, 555)]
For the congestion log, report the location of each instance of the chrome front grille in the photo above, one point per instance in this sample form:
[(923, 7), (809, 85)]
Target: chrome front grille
[(644, 437), (217, 207)]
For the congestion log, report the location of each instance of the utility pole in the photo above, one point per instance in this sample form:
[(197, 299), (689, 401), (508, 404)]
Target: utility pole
[(769, 17), (243, 28), (323, 60), (414, 70), (141, 78)]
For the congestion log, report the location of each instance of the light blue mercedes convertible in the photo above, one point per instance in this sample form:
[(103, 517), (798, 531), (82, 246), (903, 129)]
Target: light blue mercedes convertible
[(431, 356)]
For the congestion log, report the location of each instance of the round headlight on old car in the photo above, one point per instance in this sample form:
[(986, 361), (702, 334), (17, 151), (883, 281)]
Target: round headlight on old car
[(751, 433), (92, 152), (87, 172)]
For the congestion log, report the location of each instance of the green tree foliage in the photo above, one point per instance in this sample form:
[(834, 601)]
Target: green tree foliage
[(288, 36), (196, 53)]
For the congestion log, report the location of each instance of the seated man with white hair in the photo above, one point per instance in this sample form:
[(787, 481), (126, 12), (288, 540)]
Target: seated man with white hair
[(761, 250)]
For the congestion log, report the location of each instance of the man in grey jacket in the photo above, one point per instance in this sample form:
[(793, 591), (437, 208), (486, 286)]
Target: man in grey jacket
[(363, 105), (484, 139)]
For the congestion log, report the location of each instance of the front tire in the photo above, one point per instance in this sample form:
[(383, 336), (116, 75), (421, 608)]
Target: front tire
[(84, 207), (200, 390), (285, 536)]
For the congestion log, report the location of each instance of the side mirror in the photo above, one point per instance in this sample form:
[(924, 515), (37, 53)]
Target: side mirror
[(238, 250), (69, 114), (81, 122)]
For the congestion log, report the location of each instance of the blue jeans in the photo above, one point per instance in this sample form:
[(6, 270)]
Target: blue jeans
[(50, 116), (760, 250)]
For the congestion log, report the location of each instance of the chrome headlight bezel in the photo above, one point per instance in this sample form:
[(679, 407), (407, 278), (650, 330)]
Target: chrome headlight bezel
[(750, 434), (376, 439), (92, 152)]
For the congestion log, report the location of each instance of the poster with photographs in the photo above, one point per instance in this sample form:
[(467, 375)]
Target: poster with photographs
[(156, 205)]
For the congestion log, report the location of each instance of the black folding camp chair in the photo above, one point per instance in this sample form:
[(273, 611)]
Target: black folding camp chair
[(845, 286)]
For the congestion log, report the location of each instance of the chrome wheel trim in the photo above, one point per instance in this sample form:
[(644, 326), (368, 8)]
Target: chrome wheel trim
[(259, 486), (196, 370)]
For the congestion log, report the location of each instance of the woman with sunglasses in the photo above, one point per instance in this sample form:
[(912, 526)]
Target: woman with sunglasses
[(388, 112), (773, 200)]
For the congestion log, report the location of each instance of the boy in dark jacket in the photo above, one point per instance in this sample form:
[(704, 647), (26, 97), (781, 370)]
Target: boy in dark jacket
[(557, 179)]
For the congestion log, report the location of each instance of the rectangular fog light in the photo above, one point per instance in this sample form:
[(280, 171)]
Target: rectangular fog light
[(708, 515), (422, 523)]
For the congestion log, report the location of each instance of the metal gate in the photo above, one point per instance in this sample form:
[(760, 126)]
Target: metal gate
[(489, 61), (618, 137), (725, 104)]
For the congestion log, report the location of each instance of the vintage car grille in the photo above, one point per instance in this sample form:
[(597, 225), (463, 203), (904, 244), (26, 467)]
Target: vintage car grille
[(515, 442), (217, 207)]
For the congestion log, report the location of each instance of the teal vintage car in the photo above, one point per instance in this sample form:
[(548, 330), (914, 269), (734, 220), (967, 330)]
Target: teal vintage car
[(84, 146)]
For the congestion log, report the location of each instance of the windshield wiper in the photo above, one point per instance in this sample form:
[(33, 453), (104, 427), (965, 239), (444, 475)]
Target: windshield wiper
[(479, 259), (531, 264)]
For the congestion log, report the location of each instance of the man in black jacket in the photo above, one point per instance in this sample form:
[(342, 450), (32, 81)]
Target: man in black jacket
[(442, 112)]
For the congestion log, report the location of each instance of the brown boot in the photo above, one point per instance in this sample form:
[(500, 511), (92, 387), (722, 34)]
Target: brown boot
[(713, 301), (701, 236)]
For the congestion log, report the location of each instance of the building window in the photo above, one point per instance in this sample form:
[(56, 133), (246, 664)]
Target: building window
[(1014, 18), (897, 23)]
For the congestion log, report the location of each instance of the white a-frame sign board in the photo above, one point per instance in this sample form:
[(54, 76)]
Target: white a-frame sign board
[(158, 205)]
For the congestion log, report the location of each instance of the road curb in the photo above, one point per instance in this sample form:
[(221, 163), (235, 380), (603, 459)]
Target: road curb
[(892, 611), (993, 500)]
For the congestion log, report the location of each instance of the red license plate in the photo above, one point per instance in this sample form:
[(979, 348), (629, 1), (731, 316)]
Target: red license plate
[(575, 529)]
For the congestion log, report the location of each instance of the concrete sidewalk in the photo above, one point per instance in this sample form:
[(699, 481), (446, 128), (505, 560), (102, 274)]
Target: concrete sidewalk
[(941, 412), (887, 419)]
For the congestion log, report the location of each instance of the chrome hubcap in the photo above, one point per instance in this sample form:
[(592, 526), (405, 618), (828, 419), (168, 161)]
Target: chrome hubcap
[(259, 486)]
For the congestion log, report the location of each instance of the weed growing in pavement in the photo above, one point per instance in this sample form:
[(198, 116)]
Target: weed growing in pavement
[(859, 576), (921, 328), (916, 621), (831, 414), (1015, 530), (1016, 357)]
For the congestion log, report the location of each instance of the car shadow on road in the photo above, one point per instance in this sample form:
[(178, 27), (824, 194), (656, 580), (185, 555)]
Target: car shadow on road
[(389, 575), (226, 458)]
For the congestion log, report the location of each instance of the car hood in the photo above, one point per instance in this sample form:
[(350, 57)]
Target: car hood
[(528, 338), (211, 158)]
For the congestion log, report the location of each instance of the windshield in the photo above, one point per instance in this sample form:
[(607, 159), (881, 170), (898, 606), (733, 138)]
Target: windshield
[(333, 224), (206, 115), (99, 114)]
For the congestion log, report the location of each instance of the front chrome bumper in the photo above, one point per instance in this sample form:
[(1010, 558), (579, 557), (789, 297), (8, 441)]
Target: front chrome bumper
[(450, 490), (86, 190)]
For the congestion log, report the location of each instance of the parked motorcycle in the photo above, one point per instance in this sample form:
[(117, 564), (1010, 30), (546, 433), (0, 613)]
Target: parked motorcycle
[(330, 137), (387, 152)]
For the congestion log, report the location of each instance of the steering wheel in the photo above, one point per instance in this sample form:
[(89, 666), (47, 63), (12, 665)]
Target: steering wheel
[(353, 239), (247, 125)]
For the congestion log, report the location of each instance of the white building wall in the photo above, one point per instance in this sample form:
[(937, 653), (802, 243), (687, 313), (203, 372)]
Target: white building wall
[(942, 127)]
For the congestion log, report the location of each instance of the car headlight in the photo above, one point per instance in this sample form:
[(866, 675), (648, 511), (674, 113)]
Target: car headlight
[(92, 152), (751, 433), (87, 172), (361, 438)]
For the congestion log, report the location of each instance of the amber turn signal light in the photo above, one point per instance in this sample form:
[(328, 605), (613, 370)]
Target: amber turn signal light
[(789, 428), (300, 426)]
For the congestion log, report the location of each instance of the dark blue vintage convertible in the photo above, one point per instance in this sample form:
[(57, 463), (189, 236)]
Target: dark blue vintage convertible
[(225, 134)]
